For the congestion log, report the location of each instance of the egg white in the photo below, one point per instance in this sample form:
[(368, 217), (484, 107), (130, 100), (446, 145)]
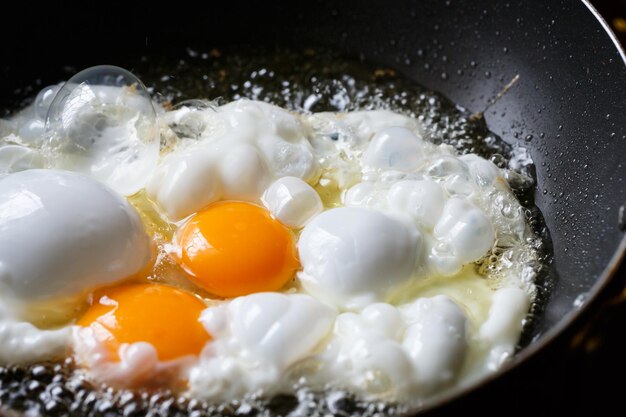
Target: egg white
[(258, 339), (388, 302), (242, 148), (62, 235)]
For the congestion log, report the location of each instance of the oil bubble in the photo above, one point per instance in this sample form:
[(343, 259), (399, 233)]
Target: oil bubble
[(190, 120), (44, 100), (102, 123)]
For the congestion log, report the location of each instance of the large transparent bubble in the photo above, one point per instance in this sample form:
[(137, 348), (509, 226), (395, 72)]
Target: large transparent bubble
[(102, 123)]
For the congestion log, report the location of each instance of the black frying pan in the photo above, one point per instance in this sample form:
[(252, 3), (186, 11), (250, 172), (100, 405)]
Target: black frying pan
[(569, 106)]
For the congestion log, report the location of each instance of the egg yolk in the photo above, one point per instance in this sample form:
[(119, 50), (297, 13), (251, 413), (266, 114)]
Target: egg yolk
[(161, 315), (235, 248)]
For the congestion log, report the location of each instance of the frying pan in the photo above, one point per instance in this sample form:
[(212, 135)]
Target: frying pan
[(568, 106)]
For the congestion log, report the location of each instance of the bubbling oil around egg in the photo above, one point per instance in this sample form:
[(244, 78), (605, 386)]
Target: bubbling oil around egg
[(257, 79)]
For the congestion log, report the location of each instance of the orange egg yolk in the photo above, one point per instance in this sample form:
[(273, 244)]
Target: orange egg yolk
[(235, 248), (161, 315)]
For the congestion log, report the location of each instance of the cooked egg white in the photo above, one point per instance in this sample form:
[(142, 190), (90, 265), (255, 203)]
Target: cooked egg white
[(394, 352), (292, 201), (352, 257), (62, 234), (242, 148), (22, 342), (16, 158), (258, 338), (387, 301)]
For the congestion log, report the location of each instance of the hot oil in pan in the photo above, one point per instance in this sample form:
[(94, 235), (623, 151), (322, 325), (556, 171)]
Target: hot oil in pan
[(306, 80)]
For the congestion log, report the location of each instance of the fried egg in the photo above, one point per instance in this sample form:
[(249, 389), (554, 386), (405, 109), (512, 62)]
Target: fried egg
[(334, 250)]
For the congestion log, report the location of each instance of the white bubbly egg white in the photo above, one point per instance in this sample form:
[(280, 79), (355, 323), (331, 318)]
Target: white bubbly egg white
[(453, 204), (353, 257), (388, 303), (257, 338), (61, 235), (292, 201), (396, 352), (415, 216), (237, 152)]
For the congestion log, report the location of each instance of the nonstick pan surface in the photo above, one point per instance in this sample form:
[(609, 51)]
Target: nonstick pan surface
[(568, 106)]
